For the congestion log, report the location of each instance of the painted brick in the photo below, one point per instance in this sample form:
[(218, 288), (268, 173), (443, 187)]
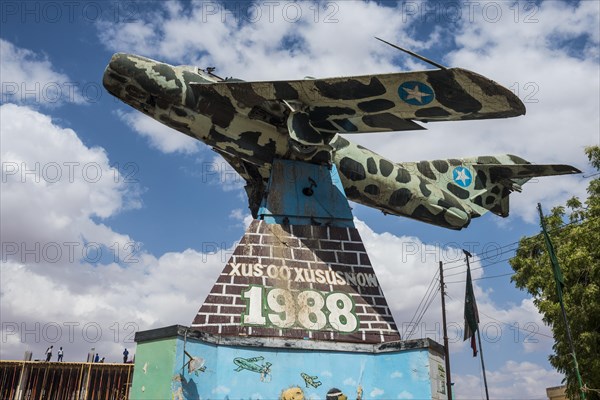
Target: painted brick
[(219, 319), (339, 234), (303, 254), (232, 310), (321, 231), (302, 231), (326, 256), (234, 289), (296, 247), (330, 245), (346, 258), (352, 246), (251, 239), (354, 235), (364, 259), (209, 308), (261, 251)]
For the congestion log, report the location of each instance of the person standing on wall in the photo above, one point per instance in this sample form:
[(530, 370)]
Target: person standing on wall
[(49, 353)]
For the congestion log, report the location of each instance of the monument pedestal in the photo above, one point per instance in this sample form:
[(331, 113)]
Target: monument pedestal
[(296, 313), (181, 363), (299, 282)]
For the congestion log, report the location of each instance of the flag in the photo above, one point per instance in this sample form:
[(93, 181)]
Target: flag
[(553, 260), (471, 314)]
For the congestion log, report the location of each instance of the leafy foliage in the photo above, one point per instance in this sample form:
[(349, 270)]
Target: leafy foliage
[(577, 246)]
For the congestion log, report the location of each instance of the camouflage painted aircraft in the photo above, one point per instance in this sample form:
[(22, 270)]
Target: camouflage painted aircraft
[(252, 123)]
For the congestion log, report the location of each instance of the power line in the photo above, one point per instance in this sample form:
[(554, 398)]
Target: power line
[(418, 321), (511, 325), (423, 302), (485, 277), (508, 245), (430, 293)]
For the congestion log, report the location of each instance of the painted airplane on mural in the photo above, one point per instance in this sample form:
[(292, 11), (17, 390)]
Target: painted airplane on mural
[(251, 364), (252, 123)]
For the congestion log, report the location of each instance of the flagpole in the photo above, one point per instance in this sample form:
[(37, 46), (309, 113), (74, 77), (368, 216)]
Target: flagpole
[(446, 349), (487, 395), (558, 279)]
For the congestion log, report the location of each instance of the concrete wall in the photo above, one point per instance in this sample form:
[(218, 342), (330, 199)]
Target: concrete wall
[(258, 368)]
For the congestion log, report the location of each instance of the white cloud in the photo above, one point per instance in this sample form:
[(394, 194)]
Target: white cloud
[(405, 395), (404, 290), (559, 86), (513, 380), (273, 46), (242, 216), (30, 78), (221, 390), (376, 392), (51, 276), (53, 184), (350, 382), (160, 136), (396, 374), (555, 129)]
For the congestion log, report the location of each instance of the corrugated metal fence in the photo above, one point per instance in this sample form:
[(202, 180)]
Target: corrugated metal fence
[(36, 380)]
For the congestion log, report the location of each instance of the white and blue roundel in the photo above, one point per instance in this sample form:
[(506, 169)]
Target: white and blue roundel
[(416, 93), (462, 176)]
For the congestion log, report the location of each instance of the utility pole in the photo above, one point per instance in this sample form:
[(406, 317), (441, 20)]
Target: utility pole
[(446, 349)]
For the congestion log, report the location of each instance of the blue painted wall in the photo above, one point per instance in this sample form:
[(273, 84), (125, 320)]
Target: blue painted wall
[(260, 373)]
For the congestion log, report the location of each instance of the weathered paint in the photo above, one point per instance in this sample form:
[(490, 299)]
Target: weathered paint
[(240, 368), (299, 281), (253, 123), (152, 374), (300, 193)]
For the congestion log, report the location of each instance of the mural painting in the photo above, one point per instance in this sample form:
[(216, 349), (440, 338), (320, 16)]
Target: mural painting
[(267, 373)]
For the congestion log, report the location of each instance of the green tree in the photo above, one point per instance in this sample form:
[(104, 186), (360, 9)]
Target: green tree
[(577, 246)]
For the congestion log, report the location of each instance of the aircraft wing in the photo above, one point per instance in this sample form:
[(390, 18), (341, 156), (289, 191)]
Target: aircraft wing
[(525, 171), (377, 103)]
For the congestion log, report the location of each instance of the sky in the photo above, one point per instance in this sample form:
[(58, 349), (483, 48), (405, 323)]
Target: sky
[(112, 223)]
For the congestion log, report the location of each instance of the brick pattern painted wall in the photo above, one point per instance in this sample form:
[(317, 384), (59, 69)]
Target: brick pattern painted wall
[(296, 259)]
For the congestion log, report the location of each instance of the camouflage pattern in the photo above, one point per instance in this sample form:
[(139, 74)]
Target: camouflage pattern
[(252, 123)]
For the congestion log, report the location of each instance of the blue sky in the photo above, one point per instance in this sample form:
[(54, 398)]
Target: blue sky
[(105, 179)]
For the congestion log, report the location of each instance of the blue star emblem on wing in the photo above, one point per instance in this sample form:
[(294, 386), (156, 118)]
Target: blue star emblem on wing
[(416, 93), (462, 176)]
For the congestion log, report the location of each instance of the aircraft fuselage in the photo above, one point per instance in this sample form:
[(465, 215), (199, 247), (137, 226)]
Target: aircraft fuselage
[(177, 97)]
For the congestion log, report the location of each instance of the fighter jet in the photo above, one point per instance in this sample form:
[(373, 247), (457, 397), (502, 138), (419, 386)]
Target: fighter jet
[(250, 364), (251, 124), (310, 380)]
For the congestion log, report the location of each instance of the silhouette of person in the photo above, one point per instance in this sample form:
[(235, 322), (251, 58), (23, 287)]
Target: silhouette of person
[(125, 355), (49, 353), (97, 358), (60, 354)]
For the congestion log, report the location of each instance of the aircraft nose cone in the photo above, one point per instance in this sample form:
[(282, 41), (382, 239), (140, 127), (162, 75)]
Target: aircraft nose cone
[(127, 64), (142, 75), (116, 64)]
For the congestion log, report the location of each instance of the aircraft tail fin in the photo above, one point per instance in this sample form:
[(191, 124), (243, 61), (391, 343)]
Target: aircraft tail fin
[(495, 178)]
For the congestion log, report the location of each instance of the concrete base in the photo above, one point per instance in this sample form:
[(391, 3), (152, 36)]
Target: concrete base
[(179, 363)]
